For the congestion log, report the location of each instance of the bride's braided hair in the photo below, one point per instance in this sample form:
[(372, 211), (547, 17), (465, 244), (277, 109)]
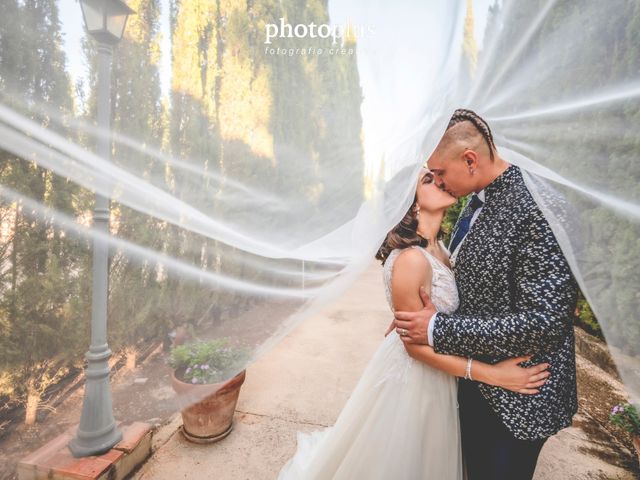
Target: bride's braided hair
[(464, 115)]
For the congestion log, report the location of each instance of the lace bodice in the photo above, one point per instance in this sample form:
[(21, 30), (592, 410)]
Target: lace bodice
[(444, 293)]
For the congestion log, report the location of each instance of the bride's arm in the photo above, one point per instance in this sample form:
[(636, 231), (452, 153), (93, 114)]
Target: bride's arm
[(507, 374), (411, 271)]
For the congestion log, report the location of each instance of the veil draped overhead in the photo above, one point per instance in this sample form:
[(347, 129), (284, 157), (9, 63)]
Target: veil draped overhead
[(258, 162)]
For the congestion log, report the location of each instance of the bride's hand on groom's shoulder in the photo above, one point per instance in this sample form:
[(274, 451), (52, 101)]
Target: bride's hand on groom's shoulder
[(509, 375)]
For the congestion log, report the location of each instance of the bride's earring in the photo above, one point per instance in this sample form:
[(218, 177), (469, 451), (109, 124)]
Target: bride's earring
[(417, 210)]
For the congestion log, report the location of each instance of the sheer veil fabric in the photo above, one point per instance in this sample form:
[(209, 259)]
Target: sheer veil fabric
[(253, 178)]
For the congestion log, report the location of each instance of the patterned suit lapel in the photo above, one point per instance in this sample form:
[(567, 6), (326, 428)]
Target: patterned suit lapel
[(493, 191)]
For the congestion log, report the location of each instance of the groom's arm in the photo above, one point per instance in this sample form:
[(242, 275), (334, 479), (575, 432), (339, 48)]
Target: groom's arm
[(544, 294)]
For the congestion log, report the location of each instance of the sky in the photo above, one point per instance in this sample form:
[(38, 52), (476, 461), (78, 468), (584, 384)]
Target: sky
[(406, 65)]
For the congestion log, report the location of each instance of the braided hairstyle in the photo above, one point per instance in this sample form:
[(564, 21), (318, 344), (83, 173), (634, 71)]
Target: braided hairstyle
[(464, 115)]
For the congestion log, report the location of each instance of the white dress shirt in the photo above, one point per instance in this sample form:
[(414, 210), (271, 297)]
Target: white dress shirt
[(453, 256)]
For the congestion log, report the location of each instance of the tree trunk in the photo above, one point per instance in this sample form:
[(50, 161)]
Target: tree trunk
[(33, 401), (131, 354), (14, 250)]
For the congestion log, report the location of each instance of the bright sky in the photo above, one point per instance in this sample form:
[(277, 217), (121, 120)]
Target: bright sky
[(73, 31), (407, 64)]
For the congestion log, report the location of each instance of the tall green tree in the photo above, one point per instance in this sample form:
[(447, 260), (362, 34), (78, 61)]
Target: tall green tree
[(40, 305), (137, 113)]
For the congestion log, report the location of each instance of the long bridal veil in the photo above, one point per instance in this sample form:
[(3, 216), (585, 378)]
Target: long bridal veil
[(261, 150)]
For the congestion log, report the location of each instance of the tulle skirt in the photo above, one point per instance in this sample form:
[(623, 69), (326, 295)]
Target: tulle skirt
[(401, 423)]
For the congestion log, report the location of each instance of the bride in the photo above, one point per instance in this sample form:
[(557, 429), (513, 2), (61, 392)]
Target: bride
[(401, 420)]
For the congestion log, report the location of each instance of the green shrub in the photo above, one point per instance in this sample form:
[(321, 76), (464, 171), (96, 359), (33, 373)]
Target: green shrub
[(207, 362)]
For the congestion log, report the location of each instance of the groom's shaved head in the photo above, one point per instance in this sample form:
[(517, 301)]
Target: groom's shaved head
[(467, 130), (466, 159)]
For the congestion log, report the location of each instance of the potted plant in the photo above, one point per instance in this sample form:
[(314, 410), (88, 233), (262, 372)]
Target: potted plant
[(627, 417), (201, 377)]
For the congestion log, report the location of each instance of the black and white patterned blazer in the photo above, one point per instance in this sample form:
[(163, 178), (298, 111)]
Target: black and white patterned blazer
[(517, 297)]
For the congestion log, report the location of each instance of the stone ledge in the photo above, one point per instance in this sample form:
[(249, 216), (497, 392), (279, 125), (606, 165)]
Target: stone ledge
[(55, 461)]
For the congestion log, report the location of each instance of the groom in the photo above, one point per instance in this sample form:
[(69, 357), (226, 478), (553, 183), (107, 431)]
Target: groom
[(517, 297)]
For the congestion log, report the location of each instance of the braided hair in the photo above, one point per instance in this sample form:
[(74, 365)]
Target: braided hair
[(464, 115)]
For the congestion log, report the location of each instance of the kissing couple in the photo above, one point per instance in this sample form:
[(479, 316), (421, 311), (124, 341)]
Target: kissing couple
[(477, 369)]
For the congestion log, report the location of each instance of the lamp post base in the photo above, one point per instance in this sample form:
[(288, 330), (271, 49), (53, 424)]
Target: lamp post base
[(84, 444), (98, 430), (53, 460)]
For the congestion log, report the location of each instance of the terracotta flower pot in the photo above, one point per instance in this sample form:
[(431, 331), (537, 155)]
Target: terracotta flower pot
[(210, 419)]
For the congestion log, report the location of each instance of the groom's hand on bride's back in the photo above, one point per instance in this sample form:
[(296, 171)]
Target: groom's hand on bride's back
[(412, 326)]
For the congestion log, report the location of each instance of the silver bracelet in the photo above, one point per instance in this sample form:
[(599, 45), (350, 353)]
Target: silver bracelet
[(467, 373)]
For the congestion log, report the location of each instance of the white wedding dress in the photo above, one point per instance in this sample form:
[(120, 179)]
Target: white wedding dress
[(401, 421)]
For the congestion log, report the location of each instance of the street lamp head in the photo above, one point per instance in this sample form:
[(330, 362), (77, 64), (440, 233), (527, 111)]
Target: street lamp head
[(105, 19)]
